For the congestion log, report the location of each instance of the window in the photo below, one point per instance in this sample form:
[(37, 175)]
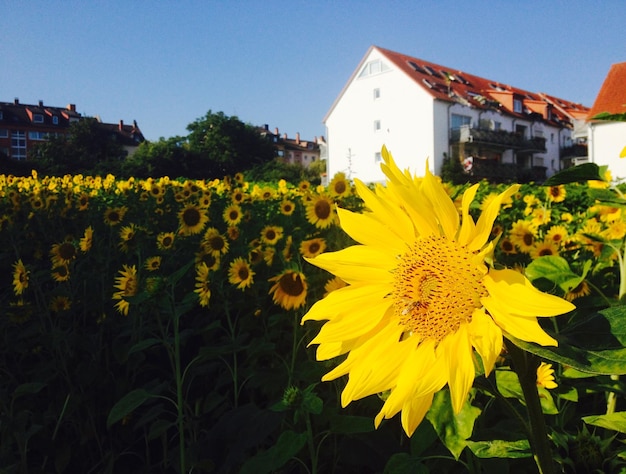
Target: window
[(376, 93), (517, 106), (457, 121), (497, 125), (55, 120), (373, 67), (378, 157), (18, 144), (521, 130), (376, 125), (37, 118), (37, 136), (4, 133)]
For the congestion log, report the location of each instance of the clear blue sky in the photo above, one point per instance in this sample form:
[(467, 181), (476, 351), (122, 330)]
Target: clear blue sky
[(282, 63)]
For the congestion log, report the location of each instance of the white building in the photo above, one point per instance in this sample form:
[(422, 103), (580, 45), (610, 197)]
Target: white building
[(423, 111), (607, 138)]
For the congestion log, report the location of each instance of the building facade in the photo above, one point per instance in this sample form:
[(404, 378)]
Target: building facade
[(24, 126), (423, 112)]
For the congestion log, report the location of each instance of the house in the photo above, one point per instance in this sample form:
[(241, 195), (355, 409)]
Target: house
[(23, 126), (424, 111), (607, 138), (295, 150)]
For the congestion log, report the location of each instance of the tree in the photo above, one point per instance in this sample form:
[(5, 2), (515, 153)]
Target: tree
[(85, 149)]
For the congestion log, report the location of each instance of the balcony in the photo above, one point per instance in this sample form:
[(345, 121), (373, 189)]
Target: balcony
[(498, 139), (496, 172)]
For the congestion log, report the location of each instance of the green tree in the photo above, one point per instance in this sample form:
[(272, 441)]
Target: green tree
[(165, 157)]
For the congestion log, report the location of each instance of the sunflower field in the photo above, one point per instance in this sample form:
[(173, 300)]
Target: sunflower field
[(170, 325)]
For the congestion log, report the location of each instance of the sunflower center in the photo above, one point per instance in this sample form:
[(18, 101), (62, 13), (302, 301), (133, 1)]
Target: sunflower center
[(322, 209), (437, 287), (528, 239), (216, 243), (340, 187), (191, 217), (291, 284), (242, 273), (67, 251)]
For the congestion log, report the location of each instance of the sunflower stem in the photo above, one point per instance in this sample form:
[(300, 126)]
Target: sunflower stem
[(179, 391), (525, 365)]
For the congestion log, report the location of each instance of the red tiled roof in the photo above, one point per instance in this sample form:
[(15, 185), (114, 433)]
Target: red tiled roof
[(449, 84), (612, 96)]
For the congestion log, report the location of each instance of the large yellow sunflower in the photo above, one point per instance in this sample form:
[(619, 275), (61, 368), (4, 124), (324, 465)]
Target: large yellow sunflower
[(421, 297), (232, 214), (320, 211), (192, 219), (127, 285), (289, 289)]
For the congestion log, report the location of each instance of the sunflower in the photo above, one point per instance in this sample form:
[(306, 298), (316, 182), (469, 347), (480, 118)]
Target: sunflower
[(339, 186), (214, 242), (557, 234), (238, 196), (240, 273), (333, 284), (556, 193), (128, 237), (580, 290), (209, 258), (523, 234), (312, 247), (153, 263), (239, 178), (232, 214), (288, 250), (320, 212), (63, 253), (287, 207), (165, 240), (60, 303), (541, 249), (87, 240), (421, 297), (233, 232), (545, 376), (271, 234), (60, 273), (202, 284), (20, 277), (192, 219), (289, 289), (82, 202), (507, 246), (114, 215), (304, 186), (126, 283), (615, 230)]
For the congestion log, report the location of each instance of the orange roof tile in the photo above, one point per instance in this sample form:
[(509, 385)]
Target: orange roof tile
[(612, 96)]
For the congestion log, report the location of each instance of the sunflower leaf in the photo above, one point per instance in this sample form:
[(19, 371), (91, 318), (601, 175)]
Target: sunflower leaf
[(593, 344), (127, 404), (579, 173), (453, 430), (499, 448), (287, 446), (611, 421), (557, 270)]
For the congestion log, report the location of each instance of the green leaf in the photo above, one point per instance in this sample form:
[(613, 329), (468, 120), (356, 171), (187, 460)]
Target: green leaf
[(144, 344), (557, 270), (404, 463), (575, 174), (28, 389), (453, 430), (127, 404), (287, 446), (499, 448), (347, 424), (509, 387), (593, 344), (612, 421)]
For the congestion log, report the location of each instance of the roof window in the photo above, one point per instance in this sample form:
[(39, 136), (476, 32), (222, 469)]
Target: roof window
[(432, 72), (416, 67)]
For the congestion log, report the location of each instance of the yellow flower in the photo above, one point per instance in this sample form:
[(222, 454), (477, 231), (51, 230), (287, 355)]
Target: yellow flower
[(214, 242), (523, 234), (580, 290), (320, 212), (420, 297), (63, 253), (545, 376), (20, 277), (232, 215), (541, 249), (240, 273), (339, 186), (313, 247), (271, 234), (128, 236), (114, 215), (289, 289), (557, 234), (60, 273), (507, 246), (60, 303), (126, 283), (192, 219), (287, 207), (541, 216), (615, 230), (165, 240), (153, 263), (202, 284), (87, 240), (556, 193)]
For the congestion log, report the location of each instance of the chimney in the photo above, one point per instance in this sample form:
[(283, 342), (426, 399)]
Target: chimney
[(298, 138), (71, 107), (16, 101), (284, 136), (276, 131), (266, 127), (41, 103), (121, 126)]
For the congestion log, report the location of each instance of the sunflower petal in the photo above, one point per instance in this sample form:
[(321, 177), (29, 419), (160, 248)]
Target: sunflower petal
[(486, 338), (357, 264), (457, 353), (369, 231), (345, 300), (488, 216)]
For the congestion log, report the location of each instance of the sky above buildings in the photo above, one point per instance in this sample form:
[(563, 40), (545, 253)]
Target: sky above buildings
[(282, 63)]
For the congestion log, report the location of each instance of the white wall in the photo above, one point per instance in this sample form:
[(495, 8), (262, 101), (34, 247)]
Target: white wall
[(606, 141)]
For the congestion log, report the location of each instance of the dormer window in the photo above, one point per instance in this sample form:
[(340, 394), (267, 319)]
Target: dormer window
[(37, 118), (55, 120), (517, 106), (373, 67)]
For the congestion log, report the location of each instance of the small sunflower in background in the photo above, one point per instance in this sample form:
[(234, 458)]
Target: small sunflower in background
[(313, 247), (339, 186), (580, 290), (545, 376), (165, 240), (289, 290), (202, 287), (20, 277), (238, 196), (128, 237), (320, 211), (192, 219), (557, 234), (240, 274), (127, 284), (271, 234), (287, 207), (232, 214), (60, 303), (556, 193), (114, 215), (523, 234), (545, 248), (152, 263), (333, 284), (63, 253), (210, 259), (214, 242), (86, 240), (60, 273), (82, 202)]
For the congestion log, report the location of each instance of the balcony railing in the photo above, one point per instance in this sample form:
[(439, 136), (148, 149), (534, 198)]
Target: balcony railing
[(498, 138), (496, 172)]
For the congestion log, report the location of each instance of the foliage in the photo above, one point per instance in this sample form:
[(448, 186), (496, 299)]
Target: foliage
[(275, 170), (232, 386)]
